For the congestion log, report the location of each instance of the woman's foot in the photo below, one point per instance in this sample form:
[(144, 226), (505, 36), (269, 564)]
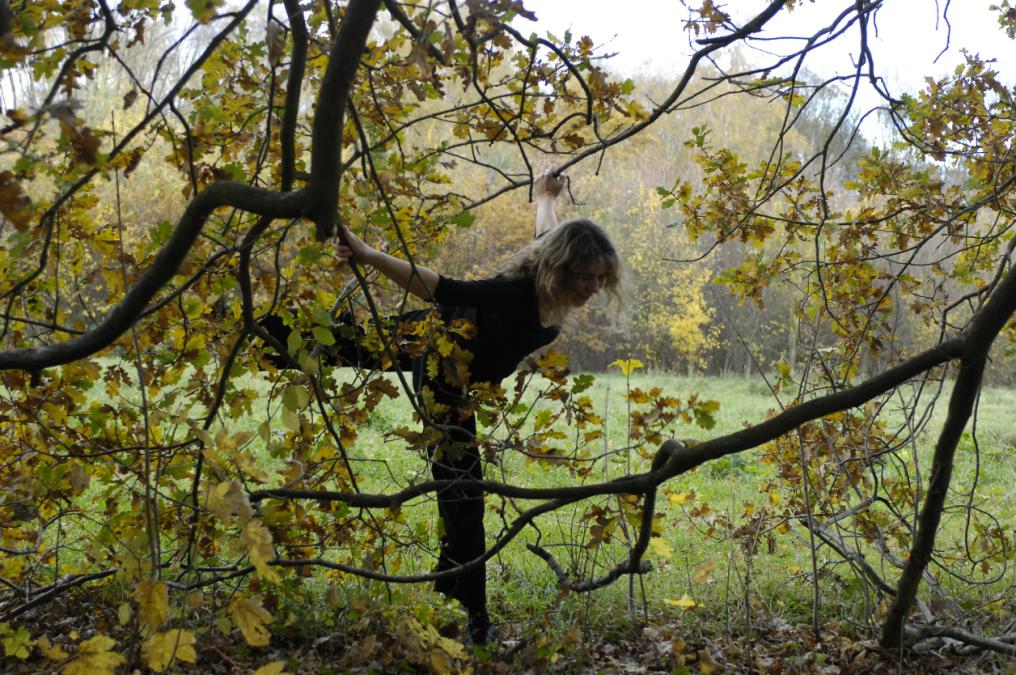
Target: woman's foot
[(479, 629)]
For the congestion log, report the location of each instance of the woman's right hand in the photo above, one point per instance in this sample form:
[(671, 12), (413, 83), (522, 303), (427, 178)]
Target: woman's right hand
[(547, 184), (353, 248)]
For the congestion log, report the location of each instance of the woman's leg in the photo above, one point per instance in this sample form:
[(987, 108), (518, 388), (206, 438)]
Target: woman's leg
[(461, 509), (350, 346)]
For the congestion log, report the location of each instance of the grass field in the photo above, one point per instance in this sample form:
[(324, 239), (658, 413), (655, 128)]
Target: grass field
[(712, 570)]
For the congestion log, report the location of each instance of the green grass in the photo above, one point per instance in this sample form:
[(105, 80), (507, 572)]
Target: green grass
[(780, 579)]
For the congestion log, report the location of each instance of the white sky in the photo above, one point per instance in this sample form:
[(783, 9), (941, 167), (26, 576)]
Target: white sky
[(649, 35)]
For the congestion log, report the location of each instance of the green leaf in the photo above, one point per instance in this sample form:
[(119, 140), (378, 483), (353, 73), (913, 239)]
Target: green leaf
[(17, 643), (464, 219), (294, 342), (323, 335), (582, 382), (310, 254)]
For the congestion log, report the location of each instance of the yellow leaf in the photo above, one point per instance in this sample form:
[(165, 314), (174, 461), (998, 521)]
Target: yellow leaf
[(440, 663), (153, 603), (226, 500), (95, 657), (444, 346), (627, 366), (257, 540), (123, 614), (678, 498), (684, 603), (161, 649), (703, 571), (194, 599), (273, 668), (453, 648), (661, 547), (706, 664), (250, 617), (49, 650), (552, 360)]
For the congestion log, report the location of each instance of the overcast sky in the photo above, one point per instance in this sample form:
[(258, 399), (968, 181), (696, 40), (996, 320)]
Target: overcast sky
[(911, 33)]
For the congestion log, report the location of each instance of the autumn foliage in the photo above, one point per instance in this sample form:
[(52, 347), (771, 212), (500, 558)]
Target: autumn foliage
[(172, 174)]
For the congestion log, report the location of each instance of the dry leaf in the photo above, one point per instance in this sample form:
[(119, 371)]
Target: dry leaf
[(703, 571), (275, 38), (95, 657), (250, 617), (161, 649), (153, 603), (226, 500), (257, 541)]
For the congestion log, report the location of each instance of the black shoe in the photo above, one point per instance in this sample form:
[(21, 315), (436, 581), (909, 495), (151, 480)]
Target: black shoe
[(479, 629)]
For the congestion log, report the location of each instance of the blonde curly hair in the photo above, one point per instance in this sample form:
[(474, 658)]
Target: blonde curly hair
[(556, 259)]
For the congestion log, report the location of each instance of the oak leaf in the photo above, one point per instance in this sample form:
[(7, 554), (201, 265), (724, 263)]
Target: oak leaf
[(273, 668), (161, 649), (226, 500), (95, 657), (250, 617), (257, 540), (153, 603)]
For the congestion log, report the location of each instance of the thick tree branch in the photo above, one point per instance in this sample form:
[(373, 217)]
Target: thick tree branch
[(163, 268), (291, 110), (978, 339), (329, 115)]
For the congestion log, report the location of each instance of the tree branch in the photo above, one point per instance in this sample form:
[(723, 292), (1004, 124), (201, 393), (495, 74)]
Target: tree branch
[(165, 266), (326, 135)]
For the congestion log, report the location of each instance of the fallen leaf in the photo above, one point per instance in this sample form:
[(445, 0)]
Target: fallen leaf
[(161, 649), (95, 657), (49, 650), (685, 602)]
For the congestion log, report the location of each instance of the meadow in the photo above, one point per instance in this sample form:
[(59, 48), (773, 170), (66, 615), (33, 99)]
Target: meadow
[(708, 575)]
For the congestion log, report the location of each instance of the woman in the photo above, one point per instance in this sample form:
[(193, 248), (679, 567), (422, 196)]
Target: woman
[(515, 313)]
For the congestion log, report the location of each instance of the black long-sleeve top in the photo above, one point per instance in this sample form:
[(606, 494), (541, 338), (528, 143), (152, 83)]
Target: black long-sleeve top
[(507, 322)]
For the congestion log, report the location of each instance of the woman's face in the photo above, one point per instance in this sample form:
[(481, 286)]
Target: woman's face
[(588, 282)]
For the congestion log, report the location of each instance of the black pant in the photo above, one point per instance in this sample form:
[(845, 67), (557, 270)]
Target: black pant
[(460, 506)]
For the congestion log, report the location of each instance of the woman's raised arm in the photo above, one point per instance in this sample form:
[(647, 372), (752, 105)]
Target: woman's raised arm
[(546, 188)]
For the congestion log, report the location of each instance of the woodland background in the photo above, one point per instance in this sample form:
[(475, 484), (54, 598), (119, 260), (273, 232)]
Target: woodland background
[(822, 318)]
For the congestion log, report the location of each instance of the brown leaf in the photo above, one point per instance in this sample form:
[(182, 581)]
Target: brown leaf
[(275, 38), (14, 203)]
